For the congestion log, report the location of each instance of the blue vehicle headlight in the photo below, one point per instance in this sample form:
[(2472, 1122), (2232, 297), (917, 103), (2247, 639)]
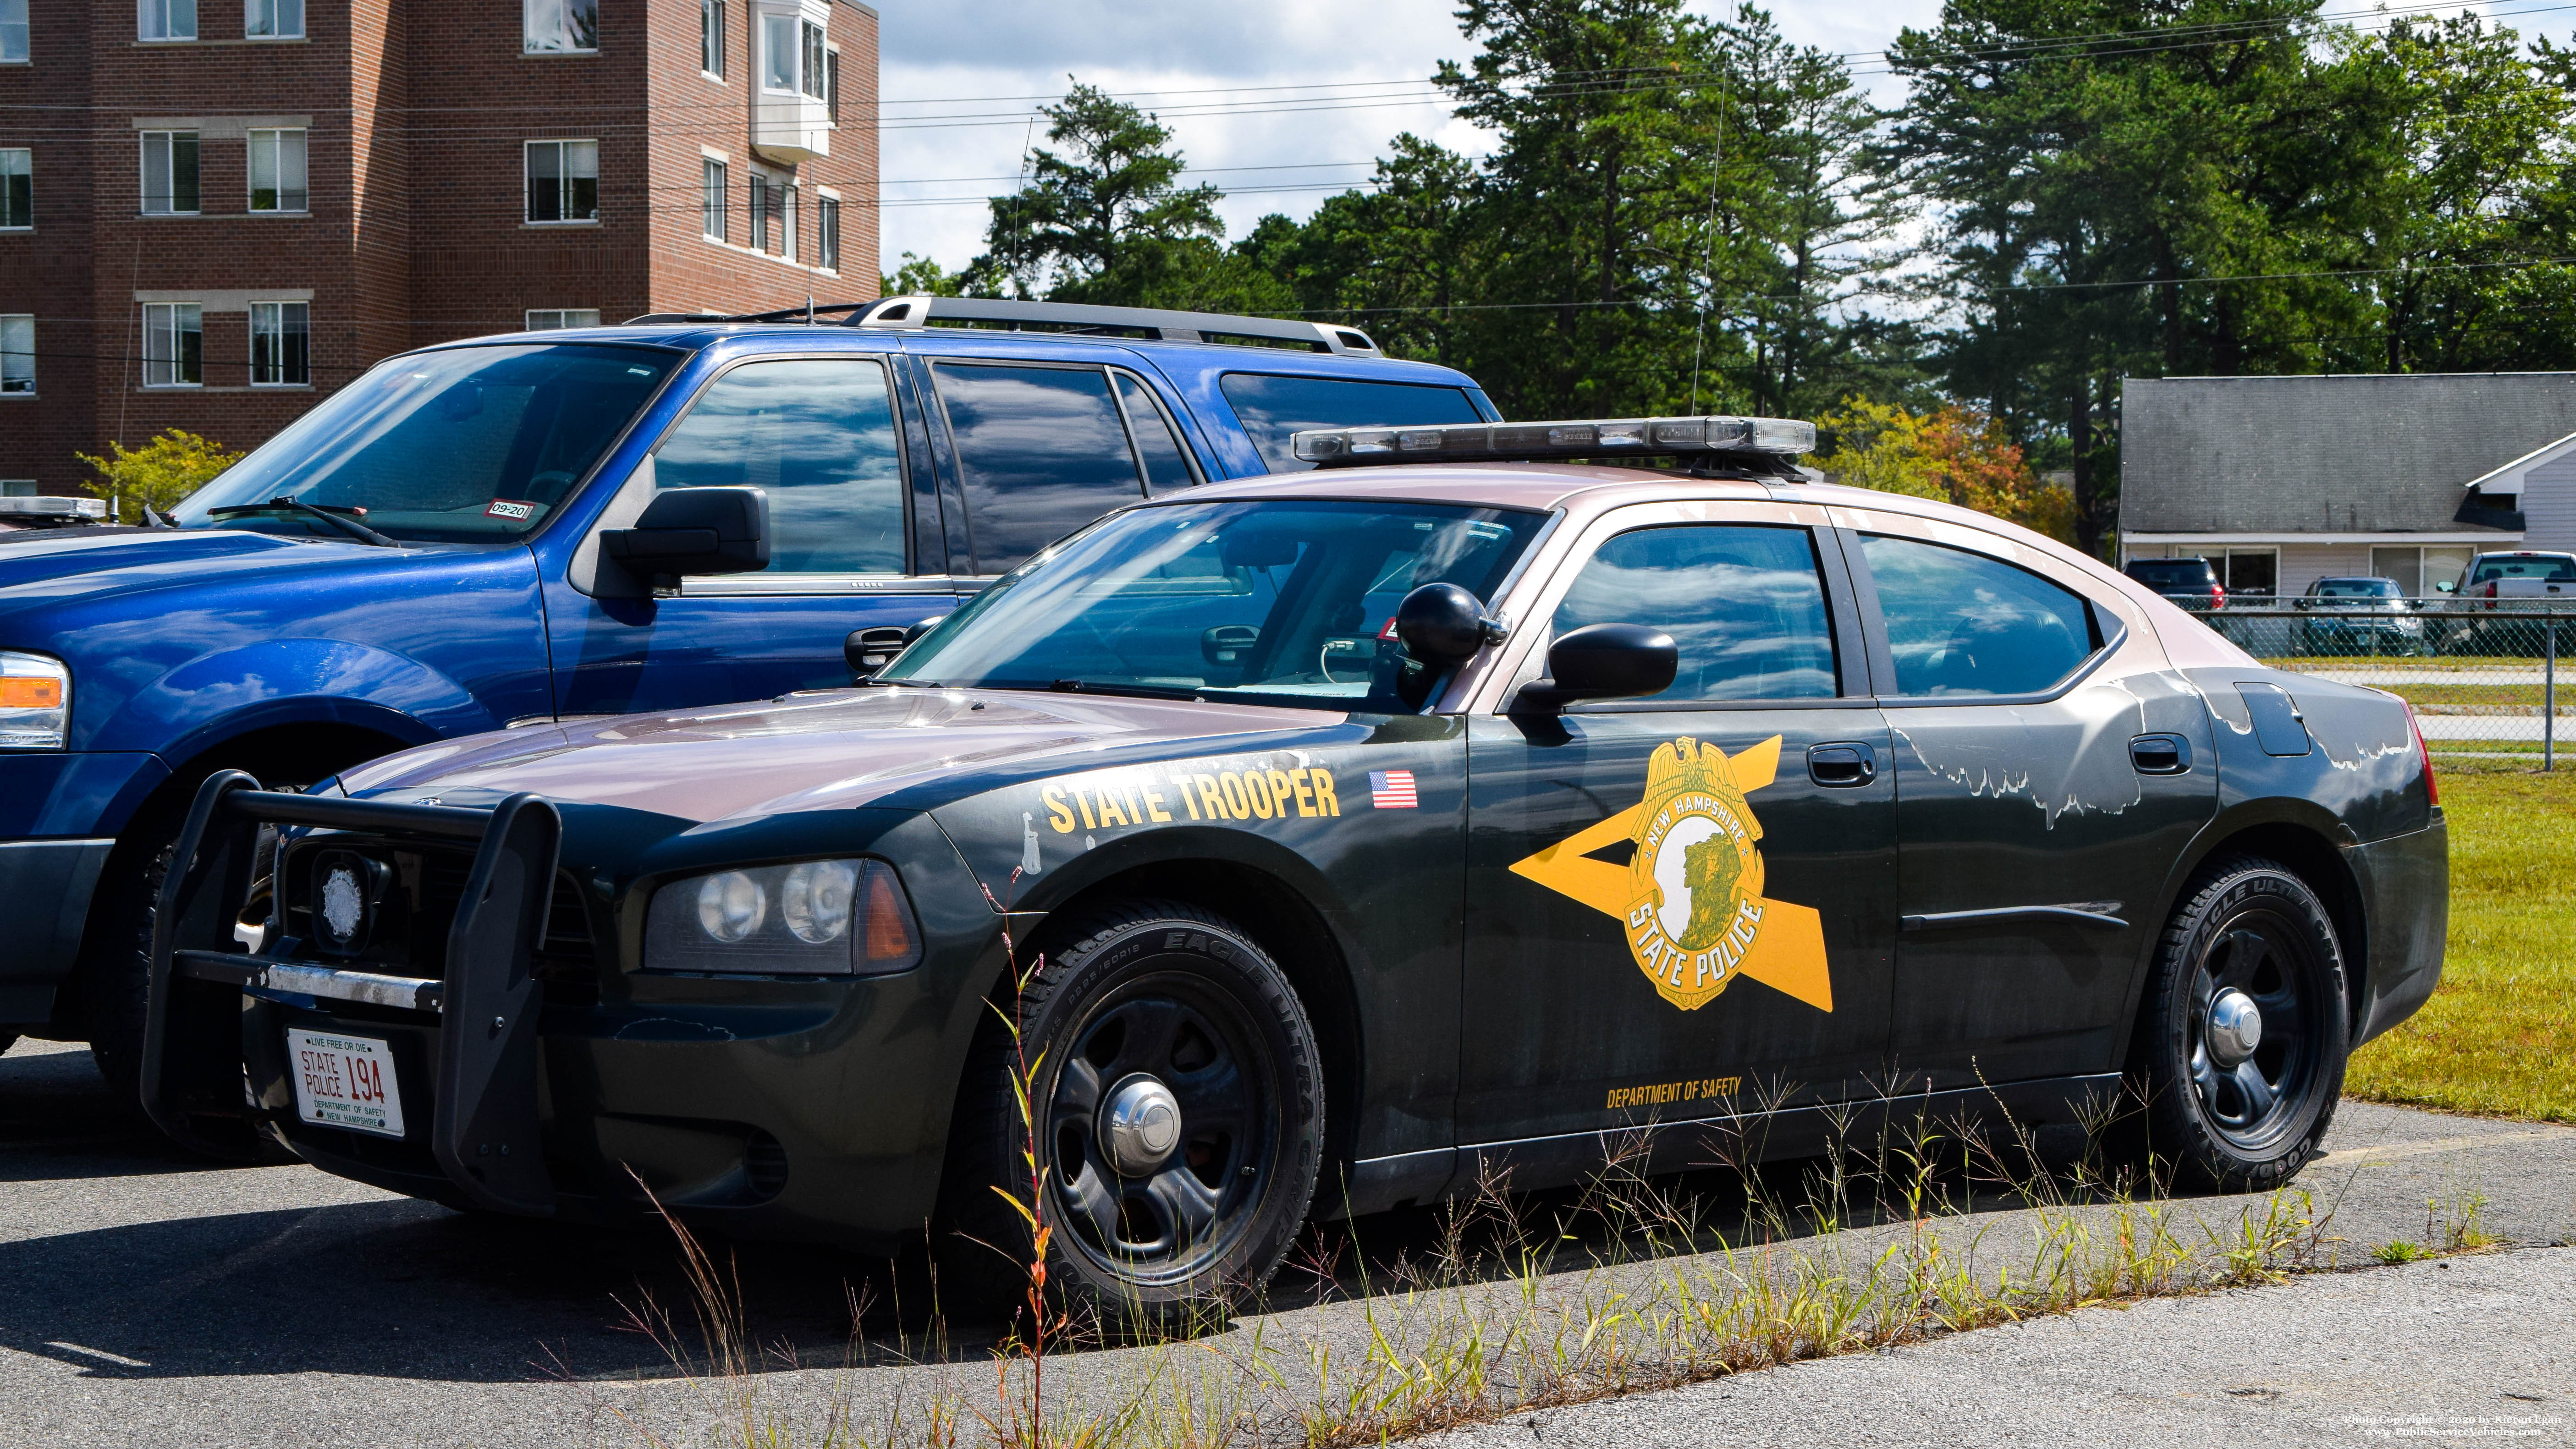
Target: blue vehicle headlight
[(809, 918), (35, 701)]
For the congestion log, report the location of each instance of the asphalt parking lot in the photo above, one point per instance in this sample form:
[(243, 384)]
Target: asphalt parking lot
[(154, 1299)]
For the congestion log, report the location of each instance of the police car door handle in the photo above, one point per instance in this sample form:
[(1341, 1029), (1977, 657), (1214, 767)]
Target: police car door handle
[(1843, 764)]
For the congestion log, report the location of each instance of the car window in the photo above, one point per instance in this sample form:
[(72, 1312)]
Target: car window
[(456, 445), (1963, 623), (816, 434), (1744, 603), (1281, 602), (1272, 408), (2356, 589), (2180, 571), (2560, 569), (1166, 466), (1040, 450)]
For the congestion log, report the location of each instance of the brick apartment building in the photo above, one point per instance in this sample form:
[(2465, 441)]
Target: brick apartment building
[(213, 212)]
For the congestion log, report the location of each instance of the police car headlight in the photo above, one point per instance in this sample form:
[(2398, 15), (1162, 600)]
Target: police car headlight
[(811, 918), (35, 701)]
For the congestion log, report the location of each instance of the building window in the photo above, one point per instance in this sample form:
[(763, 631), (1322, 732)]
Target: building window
[(169, 173), (561, 317), (711, 37), (273, 19), (563, 181), (280, 347), (811, 72), (17, 190), (13, 30), (715, 198), (827, 233), (759, 213), (17, 487), (173, 344), (166, 19), (18, 354), (277, 171), (554, 27), (832, 84), (778, 53), (783, 198)]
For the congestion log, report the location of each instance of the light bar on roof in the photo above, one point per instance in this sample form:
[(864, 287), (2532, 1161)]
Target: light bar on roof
[(1568, 438)]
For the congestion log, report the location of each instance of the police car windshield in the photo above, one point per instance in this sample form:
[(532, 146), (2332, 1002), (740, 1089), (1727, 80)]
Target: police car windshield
[(461, 445), (1289, 602)]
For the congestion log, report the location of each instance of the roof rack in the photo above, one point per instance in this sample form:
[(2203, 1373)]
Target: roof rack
[(1760, 446), (1149, 323)]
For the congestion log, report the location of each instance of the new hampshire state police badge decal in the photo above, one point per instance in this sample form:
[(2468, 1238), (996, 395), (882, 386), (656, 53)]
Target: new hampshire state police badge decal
[(1690, 898)]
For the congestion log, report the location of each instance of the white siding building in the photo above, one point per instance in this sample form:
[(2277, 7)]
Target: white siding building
[(2280, 481)]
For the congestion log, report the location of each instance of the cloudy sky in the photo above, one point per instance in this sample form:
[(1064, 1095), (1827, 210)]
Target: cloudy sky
[(1280, 104)]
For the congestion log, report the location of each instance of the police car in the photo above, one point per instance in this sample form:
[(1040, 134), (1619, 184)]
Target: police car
[(1468, 801)]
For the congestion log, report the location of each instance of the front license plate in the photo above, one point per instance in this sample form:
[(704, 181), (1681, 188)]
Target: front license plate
[(345, 1081)]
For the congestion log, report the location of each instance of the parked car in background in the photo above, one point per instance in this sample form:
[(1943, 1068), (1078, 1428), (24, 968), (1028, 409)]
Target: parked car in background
[(2189, 582), (520, 530), (2368, 616), (2500, 584)]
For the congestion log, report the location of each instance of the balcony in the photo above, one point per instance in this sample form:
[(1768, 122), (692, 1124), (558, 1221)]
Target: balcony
[(794, 78)]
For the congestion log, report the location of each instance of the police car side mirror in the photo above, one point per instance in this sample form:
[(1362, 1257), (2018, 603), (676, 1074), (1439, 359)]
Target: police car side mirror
[(2446, 586), (694, 531), (1443, 625), (1602, 661)]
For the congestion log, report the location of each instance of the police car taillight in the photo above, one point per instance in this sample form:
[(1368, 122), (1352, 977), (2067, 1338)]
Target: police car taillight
[(2432, 787), (1567, 438)]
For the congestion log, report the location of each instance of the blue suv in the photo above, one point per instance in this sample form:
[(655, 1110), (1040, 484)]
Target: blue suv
[(516, 531)]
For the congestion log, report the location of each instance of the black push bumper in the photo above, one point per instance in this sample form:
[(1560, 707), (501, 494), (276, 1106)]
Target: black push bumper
[(482, 1015)]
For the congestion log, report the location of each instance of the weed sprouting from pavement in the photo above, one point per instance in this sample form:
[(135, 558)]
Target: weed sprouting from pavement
[(1905, 1225)]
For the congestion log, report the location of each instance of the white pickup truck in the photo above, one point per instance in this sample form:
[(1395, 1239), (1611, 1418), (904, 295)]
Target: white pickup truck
[(2500, 584)]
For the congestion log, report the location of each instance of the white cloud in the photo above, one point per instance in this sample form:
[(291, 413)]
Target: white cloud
[(964, 80)]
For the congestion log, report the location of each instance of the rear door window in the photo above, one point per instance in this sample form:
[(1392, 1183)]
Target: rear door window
[(2543, 566), (1272, 408), (818, 435), (1041, 451), (1158, 447), (1962, 623)]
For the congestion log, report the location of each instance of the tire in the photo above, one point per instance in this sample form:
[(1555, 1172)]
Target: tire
[(2223, 1118), (1140, 996)]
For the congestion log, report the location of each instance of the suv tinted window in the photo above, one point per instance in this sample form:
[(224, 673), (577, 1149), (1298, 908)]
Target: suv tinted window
[(1167, 466), (818, 435), (1744, 603), (1271, 408), (2156, 572), (1040, 450), (1963, 623)]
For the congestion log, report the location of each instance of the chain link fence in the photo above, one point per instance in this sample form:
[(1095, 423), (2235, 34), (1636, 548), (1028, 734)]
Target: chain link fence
[(2483, 677)]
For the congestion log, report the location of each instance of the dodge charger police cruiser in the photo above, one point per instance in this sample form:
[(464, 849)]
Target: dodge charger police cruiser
[(1462, 802)]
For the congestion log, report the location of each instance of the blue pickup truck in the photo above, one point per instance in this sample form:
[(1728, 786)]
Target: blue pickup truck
[(679, 511)]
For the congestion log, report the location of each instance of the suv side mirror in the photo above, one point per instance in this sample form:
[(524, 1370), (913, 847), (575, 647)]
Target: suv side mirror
[(1602, 661), (694, 531)]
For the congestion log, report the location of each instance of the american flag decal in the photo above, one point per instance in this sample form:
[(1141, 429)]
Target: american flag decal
[(1392, 790)]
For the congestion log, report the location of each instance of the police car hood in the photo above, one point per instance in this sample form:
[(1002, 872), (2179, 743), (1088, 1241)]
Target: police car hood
[(827, 750)]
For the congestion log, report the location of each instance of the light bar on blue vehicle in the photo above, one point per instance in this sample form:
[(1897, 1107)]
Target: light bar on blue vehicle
[(1571, 438)]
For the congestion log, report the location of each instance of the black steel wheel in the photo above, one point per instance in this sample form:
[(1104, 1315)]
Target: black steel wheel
[(2246, 1029), (1178, 1106)]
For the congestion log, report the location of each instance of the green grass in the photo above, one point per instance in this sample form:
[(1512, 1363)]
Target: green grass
[(2499, 1037)]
